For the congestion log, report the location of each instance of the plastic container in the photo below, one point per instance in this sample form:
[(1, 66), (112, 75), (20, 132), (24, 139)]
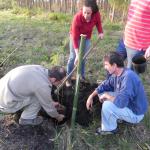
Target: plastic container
[(139, 63)]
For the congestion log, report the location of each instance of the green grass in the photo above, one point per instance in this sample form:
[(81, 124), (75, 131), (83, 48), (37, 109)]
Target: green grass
[(37, 38), (43, 39)]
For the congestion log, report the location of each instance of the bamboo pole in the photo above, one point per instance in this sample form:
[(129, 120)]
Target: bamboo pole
[(75, 101)]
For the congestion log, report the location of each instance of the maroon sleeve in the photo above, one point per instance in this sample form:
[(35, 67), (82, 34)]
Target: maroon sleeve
[(99, 23), (75, 30)]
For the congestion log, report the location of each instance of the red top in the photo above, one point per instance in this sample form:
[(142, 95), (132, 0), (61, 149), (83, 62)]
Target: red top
[(137, 30), (80, 26)]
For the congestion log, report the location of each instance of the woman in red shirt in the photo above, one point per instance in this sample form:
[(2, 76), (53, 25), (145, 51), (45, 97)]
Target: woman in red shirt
[(83, 23)]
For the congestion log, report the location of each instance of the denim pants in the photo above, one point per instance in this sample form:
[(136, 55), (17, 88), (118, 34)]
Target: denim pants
[(70, 64), (121, 49), (130, 54), (127, 52), (110, 113)]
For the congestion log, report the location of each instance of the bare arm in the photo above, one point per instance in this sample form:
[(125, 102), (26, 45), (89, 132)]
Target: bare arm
[(147, 53), (89, 101)]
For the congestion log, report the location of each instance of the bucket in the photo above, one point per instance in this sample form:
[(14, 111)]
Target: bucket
[(139, 63)]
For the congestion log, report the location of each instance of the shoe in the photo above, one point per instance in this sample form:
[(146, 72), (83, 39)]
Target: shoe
[(37, 121), (119, 121), (100, 132), (68, 83)]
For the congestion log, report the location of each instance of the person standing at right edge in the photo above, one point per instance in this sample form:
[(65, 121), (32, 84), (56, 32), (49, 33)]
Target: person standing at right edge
[(83, 23), (137, 30)]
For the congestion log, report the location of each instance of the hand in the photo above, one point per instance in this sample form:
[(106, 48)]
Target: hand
[(106, 96), (101, 35), (102, 97), (147, 53), (60, 118), (89, 103), (61, 109)]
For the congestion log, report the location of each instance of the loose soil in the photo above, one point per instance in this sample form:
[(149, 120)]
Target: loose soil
[(15, 137), (35, 46)]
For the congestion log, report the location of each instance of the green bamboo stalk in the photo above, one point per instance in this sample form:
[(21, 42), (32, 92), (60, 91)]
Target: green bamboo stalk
[(75, 101)]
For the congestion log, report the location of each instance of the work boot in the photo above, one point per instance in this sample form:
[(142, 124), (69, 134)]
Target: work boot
[(37, 121), (68, 83)]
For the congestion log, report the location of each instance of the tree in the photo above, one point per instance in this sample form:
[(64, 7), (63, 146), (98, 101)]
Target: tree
[(119, 5)]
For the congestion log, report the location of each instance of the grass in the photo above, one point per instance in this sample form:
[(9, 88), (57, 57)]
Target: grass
[(43, 39), (36, 39)]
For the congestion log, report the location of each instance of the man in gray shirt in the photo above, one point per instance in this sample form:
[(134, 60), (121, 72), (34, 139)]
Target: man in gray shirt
[(29, 87)]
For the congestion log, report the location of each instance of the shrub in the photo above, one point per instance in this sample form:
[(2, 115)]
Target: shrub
[(6, 4)]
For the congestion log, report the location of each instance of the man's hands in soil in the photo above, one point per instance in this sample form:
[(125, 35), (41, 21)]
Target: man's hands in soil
[(60, 117)]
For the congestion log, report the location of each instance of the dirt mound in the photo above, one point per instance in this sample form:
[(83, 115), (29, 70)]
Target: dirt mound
[(66, 97), (16, 137)]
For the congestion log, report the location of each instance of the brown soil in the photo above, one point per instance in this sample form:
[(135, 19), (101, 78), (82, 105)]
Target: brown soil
[(16, 137)]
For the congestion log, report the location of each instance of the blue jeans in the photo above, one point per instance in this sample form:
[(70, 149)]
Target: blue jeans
[(127, 52), (110, 113), (130, 54), (70, 64), (121, 49)]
